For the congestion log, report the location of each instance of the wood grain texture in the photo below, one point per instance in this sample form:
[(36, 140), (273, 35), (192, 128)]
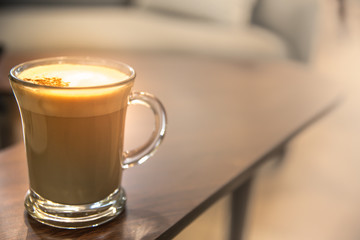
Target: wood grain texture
[(224, 118)]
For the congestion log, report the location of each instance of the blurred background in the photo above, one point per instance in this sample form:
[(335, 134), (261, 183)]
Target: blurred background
[(315, 193)]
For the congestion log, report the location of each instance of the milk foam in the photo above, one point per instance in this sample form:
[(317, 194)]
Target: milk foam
[(74, 101), (76, 75)]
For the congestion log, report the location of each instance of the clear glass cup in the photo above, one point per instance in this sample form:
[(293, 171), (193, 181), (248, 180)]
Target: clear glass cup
[(74, 144)]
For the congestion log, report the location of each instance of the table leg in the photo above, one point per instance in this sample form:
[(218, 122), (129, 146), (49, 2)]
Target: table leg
[(342, 10), (240, 199), (239, 202)]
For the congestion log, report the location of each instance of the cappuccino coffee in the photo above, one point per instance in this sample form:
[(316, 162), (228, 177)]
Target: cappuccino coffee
[(73, 138), (73, 116)]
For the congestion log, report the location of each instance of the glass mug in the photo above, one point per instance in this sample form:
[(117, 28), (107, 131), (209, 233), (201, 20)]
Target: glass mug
[(73, 116)]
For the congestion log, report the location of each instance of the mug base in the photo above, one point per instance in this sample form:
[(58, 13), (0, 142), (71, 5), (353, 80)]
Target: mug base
[(75, 216)]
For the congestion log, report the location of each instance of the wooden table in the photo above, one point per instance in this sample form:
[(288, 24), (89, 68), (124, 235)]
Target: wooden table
[(224, 120)]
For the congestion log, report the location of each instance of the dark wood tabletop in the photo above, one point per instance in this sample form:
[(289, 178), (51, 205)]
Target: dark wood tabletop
[(224, 119)]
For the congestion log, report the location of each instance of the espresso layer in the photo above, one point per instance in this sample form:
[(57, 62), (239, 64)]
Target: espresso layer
[(74, 160)]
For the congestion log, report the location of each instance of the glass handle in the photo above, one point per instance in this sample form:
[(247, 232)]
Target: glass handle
[(141, 154)]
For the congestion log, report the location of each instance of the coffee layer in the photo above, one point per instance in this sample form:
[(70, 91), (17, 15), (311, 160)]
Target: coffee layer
[(74, 160)]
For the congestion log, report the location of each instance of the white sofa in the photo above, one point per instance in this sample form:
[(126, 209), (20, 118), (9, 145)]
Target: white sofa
[(235, 29)]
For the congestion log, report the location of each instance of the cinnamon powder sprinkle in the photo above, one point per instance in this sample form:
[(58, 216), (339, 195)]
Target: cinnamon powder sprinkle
[(53, 81)]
